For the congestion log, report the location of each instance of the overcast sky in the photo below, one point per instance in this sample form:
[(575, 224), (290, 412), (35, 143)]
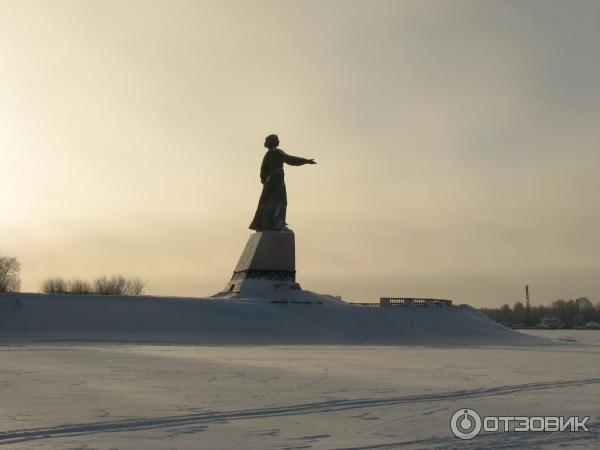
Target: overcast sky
[(457, 142)]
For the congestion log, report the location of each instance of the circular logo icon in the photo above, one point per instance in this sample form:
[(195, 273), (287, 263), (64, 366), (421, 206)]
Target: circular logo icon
[(465, 423)]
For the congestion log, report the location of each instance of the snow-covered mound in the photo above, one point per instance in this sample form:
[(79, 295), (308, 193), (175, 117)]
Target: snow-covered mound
[(274, 317)]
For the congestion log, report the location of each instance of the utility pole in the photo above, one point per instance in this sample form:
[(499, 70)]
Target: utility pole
[(527, 307)]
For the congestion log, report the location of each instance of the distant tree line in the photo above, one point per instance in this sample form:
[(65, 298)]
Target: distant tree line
[(570, 313), (104, 285)]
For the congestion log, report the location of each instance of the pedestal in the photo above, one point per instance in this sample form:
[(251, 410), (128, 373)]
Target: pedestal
[(268, 258)]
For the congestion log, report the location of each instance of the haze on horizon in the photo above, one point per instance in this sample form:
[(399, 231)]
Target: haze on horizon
[(457, 143)]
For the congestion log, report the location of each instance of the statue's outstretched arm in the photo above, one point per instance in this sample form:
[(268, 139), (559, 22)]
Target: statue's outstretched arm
[(295, 160)]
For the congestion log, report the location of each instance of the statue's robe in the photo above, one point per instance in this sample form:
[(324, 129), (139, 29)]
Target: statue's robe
[(272, 206)]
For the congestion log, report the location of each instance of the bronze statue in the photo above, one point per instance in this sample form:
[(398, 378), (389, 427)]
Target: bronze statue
[(270, 214)]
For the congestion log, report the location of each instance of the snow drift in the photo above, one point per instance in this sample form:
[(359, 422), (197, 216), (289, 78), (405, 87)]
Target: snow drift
[(272, 317)]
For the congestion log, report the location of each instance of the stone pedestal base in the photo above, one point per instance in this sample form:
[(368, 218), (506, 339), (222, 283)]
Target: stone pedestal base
[(269, 256)]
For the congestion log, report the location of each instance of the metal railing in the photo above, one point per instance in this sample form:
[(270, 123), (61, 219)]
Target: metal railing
[(407, 301), (385, 302)]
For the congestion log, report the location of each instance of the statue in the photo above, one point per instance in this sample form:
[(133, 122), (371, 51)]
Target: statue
[(272, 206)]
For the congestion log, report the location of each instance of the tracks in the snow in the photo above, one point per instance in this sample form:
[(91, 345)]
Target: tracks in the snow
[(30, 434)]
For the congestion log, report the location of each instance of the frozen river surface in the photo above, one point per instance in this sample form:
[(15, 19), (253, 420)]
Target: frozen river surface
[(124, 396)]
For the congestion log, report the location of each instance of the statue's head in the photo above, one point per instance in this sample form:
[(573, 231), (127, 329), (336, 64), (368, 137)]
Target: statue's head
[(271, 141)]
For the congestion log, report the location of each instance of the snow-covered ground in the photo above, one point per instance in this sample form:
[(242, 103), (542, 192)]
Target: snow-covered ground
[(269, 317), (147, 396), (89, 372)]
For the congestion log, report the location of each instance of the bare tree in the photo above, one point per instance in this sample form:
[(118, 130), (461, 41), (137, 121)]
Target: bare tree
[(56, 285), (118, 285), (10, 279), (113, 285), (77, 286), (135, 286)]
